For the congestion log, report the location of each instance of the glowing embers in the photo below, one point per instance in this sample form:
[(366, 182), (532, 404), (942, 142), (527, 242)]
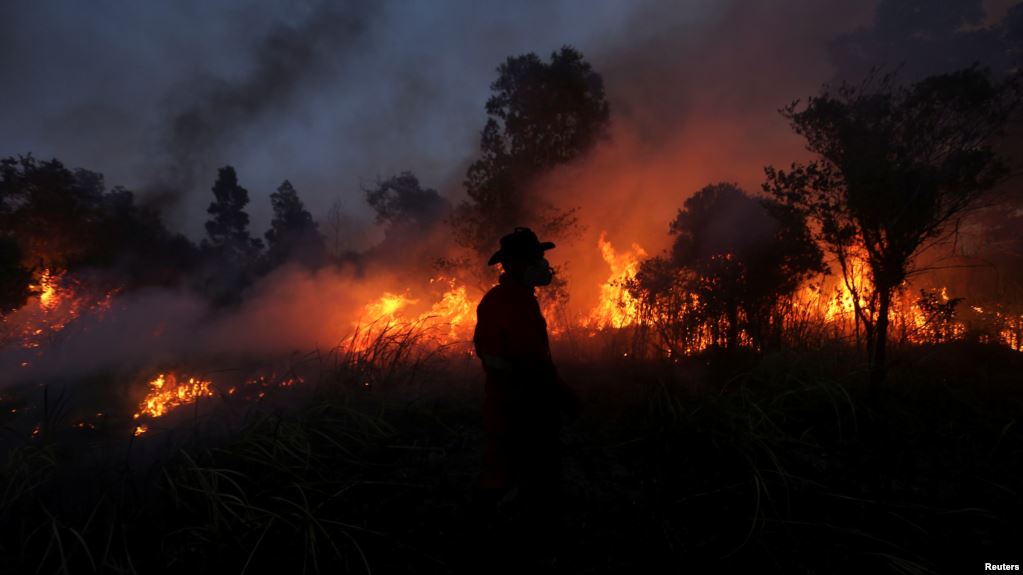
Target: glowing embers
[(47, 289), (168, 391), (1011, 333), (617, 308)]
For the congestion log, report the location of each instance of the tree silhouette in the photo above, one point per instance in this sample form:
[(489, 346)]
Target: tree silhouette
[(410, 216), (228, 227), (894, 166), (401, 201), (230, 254), (135, 240), (65, 219), (744, 254), (293, 234), (50, 210), (540, 115)]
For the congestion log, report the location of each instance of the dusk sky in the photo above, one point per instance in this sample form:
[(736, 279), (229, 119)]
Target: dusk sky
[(330, 95)]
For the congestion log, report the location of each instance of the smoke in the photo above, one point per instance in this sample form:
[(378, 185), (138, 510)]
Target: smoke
[(290, 310), (694, 101), (917, 38), (210, 113), (326, 94), (695, 96), (332, 97)]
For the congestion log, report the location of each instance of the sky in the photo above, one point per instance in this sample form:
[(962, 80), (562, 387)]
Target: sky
[(333, 95)]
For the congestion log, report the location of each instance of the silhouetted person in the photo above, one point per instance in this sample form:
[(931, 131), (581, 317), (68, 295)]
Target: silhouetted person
[(524, 395)]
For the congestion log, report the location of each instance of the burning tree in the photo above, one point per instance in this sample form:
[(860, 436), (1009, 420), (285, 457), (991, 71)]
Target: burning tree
[(894, 166), (939, 316), (66, 220), (737, 256), (745, 254), (51, 211)]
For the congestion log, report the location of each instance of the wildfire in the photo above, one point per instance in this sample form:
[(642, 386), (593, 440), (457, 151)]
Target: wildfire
[(268, 381), (446, 321), (47, 290), (454, 310), (385, 311), (167, 392), (58, 301), (57, 305), (617, 308)]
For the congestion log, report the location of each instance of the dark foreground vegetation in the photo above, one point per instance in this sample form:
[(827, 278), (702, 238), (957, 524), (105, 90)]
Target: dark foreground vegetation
[(786, 463)]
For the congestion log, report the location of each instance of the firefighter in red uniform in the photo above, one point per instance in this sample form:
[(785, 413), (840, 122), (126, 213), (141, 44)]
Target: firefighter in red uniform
[(525, 398)]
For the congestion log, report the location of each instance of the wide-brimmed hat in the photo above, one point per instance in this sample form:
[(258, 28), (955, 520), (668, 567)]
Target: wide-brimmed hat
[(520, 243)]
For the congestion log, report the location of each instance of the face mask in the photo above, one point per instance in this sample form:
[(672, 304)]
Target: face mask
[(539, 273)]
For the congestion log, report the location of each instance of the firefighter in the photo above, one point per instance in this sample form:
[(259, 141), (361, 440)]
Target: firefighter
[(524, 396)]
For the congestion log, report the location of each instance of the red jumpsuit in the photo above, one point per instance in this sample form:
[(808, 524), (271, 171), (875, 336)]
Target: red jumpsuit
[(521, 408)]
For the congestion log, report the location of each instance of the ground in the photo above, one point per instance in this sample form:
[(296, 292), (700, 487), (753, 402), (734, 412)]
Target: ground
[(779, 462)]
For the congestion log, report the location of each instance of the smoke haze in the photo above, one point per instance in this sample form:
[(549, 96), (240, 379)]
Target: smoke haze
[(332, 96)]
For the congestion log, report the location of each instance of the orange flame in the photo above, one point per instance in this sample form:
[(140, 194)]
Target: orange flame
[(447, 321), (47, 290), (167, 392), (617, 308)]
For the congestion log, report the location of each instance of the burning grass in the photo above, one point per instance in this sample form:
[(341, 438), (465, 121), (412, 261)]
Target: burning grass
[(360, 458), (436, 320)]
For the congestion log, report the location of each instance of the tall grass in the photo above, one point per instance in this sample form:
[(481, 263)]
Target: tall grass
[(780, 462)]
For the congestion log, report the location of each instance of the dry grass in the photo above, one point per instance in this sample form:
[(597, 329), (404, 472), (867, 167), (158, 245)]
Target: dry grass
[(781, 463)]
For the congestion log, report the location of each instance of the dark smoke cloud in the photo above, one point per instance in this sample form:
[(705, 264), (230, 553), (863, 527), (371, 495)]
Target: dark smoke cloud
[(330, 95), (210, 113), (917, 38), (334, 95)]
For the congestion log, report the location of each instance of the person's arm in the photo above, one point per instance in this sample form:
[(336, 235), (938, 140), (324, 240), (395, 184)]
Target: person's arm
[(489, 338)]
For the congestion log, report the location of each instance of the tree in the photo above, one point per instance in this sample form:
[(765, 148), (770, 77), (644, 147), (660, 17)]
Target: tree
[(335, 225), (894, 166), (744, 254), (50, 210), (410, 216), (64, 219), (228, 227), (401, 201), (293, 234), (540, 115)]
